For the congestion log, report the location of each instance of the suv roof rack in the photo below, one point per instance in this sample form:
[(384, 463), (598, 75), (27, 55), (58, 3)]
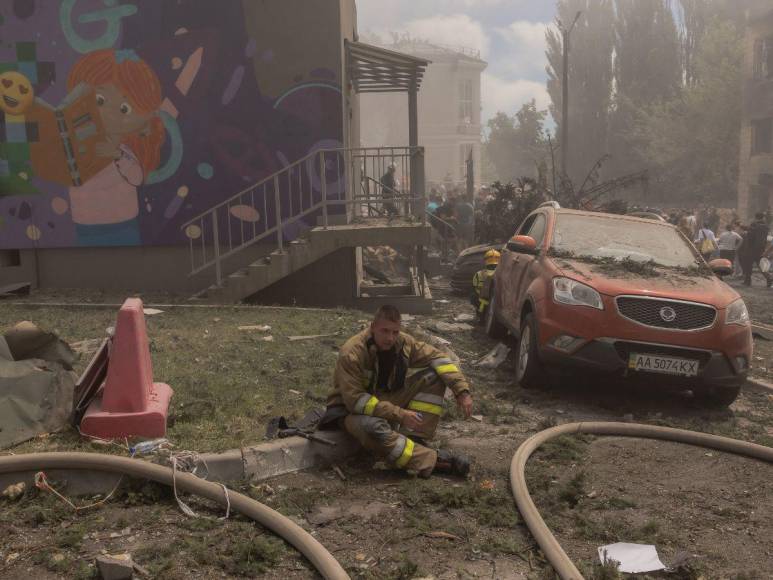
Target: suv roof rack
[(552, 203)]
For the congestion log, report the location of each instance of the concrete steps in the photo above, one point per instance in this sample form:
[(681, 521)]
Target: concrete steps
[(316, 244)]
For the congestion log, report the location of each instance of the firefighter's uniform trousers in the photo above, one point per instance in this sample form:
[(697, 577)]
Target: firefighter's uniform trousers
[(423, 392)]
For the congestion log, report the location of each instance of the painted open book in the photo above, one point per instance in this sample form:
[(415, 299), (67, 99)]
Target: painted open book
[(65, 151)]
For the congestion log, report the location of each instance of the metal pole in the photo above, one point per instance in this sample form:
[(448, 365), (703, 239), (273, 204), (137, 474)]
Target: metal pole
[(323, 179), (277, 204), (216, 236), (565, 106)]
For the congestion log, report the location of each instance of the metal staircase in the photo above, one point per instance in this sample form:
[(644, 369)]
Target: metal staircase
[(325, 201)]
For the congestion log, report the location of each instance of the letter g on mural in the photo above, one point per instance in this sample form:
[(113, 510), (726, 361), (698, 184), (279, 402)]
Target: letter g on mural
[(122, 120)]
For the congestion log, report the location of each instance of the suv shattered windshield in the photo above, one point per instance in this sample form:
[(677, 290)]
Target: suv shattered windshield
[(598, 237)]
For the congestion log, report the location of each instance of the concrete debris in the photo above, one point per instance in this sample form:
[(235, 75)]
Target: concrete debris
[(15, 491), (115, 566), (258, 327), (495, 358), (152, 311), (478, 418), (311, 337), (464, 317), (439, 326), (85, 347)]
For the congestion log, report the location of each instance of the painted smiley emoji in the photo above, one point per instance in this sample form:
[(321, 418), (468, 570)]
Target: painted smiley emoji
[(16, 93)]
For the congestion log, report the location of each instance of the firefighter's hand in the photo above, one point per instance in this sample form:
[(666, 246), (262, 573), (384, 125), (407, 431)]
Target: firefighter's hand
[(464, 402), (412, 421)]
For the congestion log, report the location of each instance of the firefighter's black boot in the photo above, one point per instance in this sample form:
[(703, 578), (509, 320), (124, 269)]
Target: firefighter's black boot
[(452, 463)]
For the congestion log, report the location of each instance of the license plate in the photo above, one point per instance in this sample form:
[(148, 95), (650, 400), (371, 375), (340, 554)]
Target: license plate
[(663, 364)]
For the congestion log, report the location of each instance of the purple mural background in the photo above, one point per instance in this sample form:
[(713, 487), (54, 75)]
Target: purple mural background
[(222, 133)]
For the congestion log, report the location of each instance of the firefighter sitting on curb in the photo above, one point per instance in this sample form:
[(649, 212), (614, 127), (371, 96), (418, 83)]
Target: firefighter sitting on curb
[(481, 282), (388, 394)]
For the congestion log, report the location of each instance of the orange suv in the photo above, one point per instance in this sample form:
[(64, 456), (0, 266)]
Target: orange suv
[(621, 296)]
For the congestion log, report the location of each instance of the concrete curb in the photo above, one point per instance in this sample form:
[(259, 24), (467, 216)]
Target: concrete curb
[(277, 457), (255, 463)]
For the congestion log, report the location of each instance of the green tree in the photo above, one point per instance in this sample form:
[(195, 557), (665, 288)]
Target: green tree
[(516, 146), (691, 141), (648, 70), (590, 80)]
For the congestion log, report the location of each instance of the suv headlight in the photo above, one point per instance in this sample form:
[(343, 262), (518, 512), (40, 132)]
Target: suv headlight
[(737, 313), (574, 293)]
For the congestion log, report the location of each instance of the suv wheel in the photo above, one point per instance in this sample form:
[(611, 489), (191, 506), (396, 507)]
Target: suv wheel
[(716, 396), (528, 368), (494, 328)]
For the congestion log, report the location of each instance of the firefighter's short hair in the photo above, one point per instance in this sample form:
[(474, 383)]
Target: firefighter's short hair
[(387, 312)]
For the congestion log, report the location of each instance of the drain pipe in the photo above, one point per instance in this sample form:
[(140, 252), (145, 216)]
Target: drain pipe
[(553, 551), (316, 553)]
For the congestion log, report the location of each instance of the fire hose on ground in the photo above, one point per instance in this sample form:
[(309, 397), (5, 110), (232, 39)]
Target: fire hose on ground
[(315, 552), (320, 558), (547, 542)]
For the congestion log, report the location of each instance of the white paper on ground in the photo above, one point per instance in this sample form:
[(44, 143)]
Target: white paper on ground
[(633, 558)]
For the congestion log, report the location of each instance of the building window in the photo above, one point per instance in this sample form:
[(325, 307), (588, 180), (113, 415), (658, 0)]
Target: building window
[(763, 58), (762, 136), (465, 151), (10, 258), (465, 101)]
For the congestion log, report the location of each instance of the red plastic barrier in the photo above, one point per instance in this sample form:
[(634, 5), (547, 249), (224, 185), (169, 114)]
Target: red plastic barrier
[(132, 405)]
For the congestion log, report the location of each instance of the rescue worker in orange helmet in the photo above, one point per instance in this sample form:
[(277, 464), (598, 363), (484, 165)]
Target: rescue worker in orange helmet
[(481, 282), (388, 393)]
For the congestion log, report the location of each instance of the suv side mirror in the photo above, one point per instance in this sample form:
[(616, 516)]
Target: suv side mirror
[(522, 245), (721, 267)]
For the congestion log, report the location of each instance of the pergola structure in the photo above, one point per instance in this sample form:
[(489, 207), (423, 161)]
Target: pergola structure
[(373, 69)]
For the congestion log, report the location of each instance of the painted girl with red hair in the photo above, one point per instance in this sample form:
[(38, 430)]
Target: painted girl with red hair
[(105, 209)]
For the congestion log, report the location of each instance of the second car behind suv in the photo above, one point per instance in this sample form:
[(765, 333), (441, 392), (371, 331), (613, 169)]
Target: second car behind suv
[(621, 296)]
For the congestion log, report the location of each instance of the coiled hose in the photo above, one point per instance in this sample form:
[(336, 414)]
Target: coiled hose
[(316, 553), (542, 534)]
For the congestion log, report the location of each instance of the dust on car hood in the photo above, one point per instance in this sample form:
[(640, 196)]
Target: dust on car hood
[(628, 277)]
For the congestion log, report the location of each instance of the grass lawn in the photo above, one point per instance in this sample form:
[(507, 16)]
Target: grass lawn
[(227, 382)]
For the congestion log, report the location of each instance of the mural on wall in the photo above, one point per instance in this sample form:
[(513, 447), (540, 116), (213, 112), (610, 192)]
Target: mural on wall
[(120, 121)]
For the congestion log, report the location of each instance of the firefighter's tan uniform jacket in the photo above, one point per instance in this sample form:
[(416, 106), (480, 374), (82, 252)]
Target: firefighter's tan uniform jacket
[(356, 375)]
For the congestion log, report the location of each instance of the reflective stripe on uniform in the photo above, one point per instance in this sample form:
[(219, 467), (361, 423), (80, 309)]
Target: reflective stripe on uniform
[(428, 398), (425, 407), (439, 362), (365, 404), (371, 406), (397, 450), (445, 369), (406, 455)]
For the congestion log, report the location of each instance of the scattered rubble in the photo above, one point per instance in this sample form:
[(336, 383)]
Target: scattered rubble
[(495, 357), (440, 326), (14, 491), (312, 337), (152, 311), (115, 567)]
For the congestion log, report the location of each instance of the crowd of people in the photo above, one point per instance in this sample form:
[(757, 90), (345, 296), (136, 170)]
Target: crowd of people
[(748, 246)]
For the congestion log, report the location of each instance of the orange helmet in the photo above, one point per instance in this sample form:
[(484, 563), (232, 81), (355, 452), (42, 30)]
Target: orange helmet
[(491, 258)]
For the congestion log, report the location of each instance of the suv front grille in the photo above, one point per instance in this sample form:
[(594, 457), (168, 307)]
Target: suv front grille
[(669, 314)]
